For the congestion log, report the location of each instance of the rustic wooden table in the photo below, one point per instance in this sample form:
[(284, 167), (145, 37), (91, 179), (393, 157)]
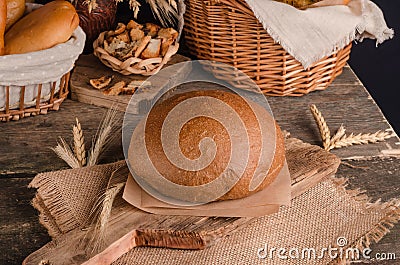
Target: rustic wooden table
[(25, 151)]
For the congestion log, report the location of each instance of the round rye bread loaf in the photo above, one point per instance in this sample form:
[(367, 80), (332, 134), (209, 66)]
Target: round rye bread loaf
[(193, 138)]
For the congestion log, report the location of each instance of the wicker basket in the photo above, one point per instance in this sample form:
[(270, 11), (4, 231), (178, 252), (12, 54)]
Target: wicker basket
[(132, 65), (227, 31), (58, 92), (34, 83)]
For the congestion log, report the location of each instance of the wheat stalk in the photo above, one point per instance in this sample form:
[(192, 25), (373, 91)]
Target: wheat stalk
[(347, 140), (96, 223), (79, 143), (64, 152), (103, 137), (135, 6), (340, 139), (341, 132), (105, 201), (92, 4), (164, 10), (322, 126)]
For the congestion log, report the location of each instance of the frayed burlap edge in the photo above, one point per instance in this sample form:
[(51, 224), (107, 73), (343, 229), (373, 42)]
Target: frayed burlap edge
[(54, 213), (382, 228), (47, 193)]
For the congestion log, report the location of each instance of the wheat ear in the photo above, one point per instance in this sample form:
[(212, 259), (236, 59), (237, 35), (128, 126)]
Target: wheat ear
[(64, 152), (135, 6), (103, 137), (96, 224), (341, 132), (164, 10), (340, 139), (347, 140), (322, 126), (92, 4), (79, 143), (105, 202)]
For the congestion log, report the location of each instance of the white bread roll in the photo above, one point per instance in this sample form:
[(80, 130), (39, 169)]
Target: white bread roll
[(43, 28)]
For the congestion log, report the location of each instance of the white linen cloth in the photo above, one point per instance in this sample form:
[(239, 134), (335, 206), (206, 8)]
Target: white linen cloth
[(310, 35), (39, 67)]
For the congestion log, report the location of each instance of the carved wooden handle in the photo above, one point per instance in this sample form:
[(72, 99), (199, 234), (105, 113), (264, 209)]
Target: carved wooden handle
[(147, 238)]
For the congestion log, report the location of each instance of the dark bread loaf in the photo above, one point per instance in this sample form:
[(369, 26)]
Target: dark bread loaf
[(260, 131), (43, 28)]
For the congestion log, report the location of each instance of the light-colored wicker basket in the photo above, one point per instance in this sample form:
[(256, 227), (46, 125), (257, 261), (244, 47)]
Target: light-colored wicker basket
[(34, 83), (39, 105), (132, 65), (227, 31)]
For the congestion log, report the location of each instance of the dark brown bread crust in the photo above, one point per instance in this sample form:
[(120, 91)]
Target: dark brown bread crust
[(198, 128), (241, 189)]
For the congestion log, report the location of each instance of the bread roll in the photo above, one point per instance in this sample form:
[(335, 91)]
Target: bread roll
[(254, 133), (3, 19), (43, 28), (15, 10)]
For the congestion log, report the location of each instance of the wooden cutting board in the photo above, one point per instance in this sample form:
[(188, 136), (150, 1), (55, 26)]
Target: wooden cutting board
[(89, 67), (130, 227)]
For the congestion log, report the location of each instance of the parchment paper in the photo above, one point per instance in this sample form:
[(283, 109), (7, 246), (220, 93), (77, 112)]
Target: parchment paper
[(262, 203)]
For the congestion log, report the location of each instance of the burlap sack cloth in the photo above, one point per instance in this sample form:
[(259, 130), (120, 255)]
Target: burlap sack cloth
[(316, 220)]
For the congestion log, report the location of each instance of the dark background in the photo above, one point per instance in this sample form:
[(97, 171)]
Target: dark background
[(378, 67)]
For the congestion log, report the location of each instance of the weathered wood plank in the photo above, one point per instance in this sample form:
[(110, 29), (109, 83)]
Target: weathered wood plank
[(380, 178), (27, 142), (89, 67), (20, 231), (350, 105), (347, 77)]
